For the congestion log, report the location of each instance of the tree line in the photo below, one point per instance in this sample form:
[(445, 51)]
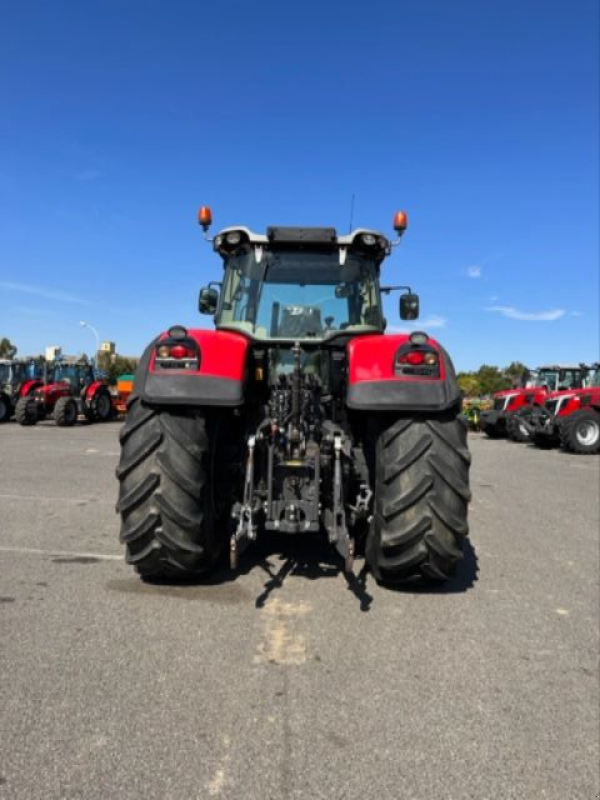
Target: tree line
[(489, 379)]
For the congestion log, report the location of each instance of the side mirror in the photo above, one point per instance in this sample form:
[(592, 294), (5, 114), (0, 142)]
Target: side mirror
[(409, 306), (207, 302)]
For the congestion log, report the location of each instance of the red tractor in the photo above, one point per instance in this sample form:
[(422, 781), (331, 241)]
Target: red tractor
[(505, 418), (18, 378), (297, 415), (71, 390), (570, 418)]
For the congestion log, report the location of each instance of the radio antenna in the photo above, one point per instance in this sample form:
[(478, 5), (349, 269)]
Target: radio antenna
[(351, 212)]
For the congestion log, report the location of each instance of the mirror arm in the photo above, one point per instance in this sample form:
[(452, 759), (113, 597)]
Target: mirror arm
[(388, 289)]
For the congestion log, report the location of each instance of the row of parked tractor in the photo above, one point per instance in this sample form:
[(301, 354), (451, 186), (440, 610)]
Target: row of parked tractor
[(65, 391), (557, 405)]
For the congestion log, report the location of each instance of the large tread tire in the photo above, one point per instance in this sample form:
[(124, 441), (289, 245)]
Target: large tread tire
[(421, 499), (65, 412), (5, 412), (26, 411), (546, 441), (515, 430), (493, 432), (100, 408), (164, 494), (580, 432)]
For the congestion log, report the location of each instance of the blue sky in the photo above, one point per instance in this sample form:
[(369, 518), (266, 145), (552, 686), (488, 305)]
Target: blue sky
[(118, 119)]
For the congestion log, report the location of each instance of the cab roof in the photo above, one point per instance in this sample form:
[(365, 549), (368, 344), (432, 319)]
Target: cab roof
[(298, 235)]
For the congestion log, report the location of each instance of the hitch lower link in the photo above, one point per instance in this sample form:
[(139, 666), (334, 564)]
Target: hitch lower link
[(338, 533), (246, 528)]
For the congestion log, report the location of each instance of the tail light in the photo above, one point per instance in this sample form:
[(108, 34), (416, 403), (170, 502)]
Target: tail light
[(181, 351), (177, 353), (414, 357), (421, 361)]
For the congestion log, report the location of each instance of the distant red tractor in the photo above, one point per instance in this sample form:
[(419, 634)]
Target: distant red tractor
[(298, 415), (71, 391), (570, 418), (18, 378), (505, 418)]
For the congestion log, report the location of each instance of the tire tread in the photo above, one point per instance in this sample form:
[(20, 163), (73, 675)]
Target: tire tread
[(421, 499)]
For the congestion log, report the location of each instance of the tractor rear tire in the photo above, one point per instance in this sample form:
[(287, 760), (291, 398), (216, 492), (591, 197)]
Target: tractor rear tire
[(580, 432), (100, 408), (492, 431), (4, 409), (165, 502), (26, 411), (65, 412), (421, 498), (515, 430), (545, 441)]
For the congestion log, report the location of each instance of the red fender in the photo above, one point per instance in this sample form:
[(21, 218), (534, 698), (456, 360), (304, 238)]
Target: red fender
[(222, 354), (29, 387), (218, 381), (93, 388), (373, 384), (371, 358)]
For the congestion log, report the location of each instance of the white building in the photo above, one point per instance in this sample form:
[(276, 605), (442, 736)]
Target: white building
[(53, 352)]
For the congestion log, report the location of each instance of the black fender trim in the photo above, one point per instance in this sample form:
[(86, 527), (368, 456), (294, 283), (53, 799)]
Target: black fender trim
[(402, 396), (423, 395), (185, 390)]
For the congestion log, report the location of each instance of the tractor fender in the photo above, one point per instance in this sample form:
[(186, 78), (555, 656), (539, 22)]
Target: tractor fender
[(91, 390), (218, 381), (29, 387), (374, 386)]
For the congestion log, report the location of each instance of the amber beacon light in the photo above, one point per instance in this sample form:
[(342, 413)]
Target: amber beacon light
[(400, 222), (205, 217)]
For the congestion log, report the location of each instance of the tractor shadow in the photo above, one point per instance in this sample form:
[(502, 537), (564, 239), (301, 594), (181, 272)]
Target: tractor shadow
[(309, 558), (314, 559)]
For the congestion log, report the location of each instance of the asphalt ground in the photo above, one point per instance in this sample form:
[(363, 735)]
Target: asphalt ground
[(287, 680)]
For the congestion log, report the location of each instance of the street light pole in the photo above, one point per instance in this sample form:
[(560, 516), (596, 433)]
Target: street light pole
[(85, 324)]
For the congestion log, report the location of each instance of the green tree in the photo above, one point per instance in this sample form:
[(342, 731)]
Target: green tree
[(115, 365), (7, 348), (491, 379), (469, 384), (514, 372)]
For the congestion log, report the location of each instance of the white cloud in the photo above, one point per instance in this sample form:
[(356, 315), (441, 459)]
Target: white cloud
[(473, 271), (528, 316), (42, 291), (432, 321)]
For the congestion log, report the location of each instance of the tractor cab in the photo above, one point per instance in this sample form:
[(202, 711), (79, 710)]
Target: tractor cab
[(17, 377), (306, 284), (278, 287), (14, 372), (76, 376), (556, 379)]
